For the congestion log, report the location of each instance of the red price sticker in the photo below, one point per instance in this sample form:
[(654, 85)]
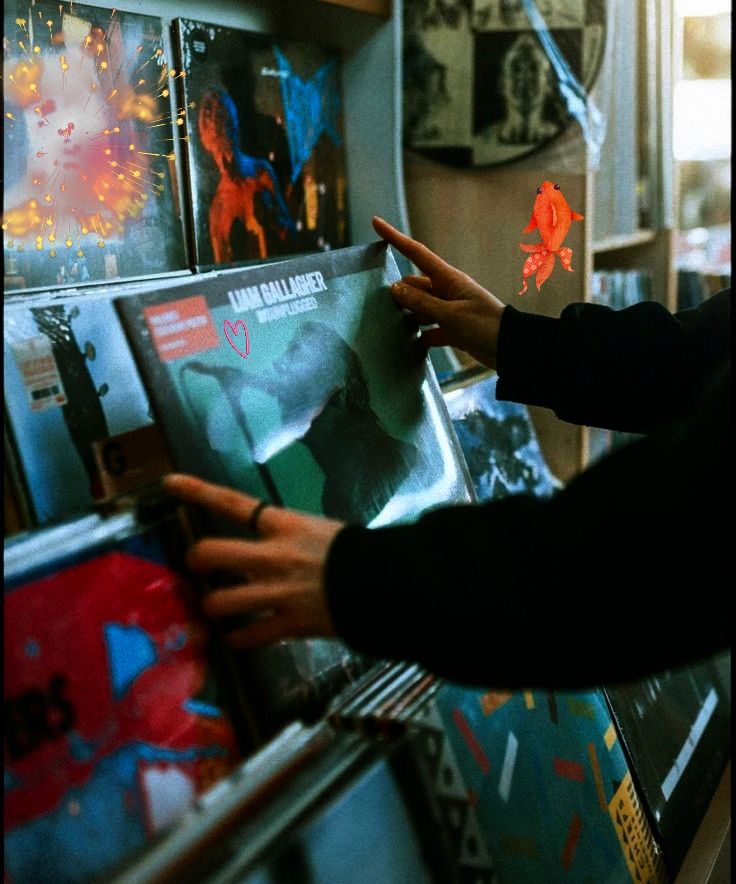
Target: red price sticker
[(180, 328)]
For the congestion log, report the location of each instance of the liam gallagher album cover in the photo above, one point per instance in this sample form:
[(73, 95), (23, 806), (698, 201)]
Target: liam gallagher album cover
[(300, 382), (264, 144), (89, 176)]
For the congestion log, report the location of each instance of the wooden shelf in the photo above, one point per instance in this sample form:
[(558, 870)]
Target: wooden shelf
[(625, 241), (375, 7)]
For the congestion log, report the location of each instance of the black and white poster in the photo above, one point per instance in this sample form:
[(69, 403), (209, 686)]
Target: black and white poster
[(487, 81)]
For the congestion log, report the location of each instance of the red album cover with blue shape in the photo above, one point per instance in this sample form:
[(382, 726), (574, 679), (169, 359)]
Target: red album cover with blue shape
[(113, 718)]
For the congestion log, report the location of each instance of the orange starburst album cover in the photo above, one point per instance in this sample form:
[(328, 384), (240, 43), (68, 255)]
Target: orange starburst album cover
[(89, 182)]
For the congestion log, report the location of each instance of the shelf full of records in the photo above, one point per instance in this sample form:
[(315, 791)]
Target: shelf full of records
[(138, 747), (144, 146), (125, 705), (130, 758), (279, 379)]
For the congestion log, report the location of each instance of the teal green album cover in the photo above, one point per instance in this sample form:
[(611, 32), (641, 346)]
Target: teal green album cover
[(302, 383)]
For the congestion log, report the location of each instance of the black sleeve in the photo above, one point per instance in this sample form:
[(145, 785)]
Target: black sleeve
[(626, 571), (631, 369)]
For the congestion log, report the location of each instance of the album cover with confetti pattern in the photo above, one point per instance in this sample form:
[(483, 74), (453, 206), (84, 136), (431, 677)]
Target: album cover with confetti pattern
[(119, 713), (551, 785), (89, 171), (264, 144), (300, 382)]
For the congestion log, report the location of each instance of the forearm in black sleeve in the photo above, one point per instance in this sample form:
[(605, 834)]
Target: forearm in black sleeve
[(620, 574), (631, 369)]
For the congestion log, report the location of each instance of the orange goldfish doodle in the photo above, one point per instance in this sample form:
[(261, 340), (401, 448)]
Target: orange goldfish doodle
[(552, 215)]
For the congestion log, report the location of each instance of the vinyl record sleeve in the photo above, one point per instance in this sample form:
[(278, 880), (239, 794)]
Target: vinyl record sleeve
[(551, 785), (264, 144), (499, 442), (117, 715), (334, 410), (70, 380), (676, 728), (373, 808), (90, 185)]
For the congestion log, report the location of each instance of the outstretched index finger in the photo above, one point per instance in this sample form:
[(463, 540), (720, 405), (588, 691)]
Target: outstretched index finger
[(224, 501), (425, 259)]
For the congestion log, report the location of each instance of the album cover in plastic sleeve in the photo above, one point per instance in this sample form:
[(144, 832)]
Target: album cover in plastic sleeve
[(89, 176), (264, 144), (676, 728), (70, 381), (301, 383), (499, 442), (551, 786), (118, 716)]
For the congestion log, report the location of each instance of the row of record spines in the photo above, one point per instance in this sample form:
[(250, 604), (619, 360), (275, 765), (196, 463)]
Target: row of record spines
[(620, 288), (384, 701)]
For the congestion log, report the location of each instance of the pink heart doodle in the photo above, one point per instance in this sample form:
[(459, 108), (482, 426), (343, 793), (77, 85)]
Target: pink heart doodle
[(234, 330)]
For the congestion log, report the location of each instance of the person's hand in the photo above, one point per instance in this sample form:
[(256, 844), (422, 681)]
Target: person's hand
[(278, 578), (467, 315)]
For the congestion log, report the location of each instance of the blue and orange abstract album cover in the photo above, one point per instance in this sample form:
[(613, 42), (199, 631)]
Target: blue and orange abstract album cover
[(264, 144)]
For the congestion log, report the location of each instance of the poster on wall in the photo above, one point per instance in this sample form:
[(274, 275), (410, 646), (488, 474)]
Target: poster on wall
[(89, 177), (264, 144), (117, 713), (300, 382), (485, 80)]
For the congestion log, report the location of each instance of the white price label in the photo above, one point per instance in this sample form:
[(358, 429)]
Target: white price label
[(37, 366)]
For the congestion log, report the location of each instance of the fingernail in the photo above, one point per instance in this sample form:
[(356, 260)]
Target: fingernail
[(173, 480)]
